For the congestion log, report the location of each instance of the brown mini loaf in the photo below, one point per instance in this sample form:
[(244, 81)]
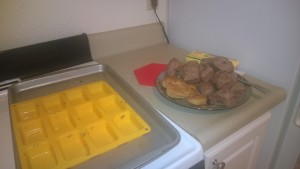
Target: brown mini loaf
[(197, 100), (177, 88)]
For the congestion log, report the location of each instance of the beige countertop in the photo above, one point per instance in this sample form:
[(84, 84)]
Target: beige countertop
[(209, 127)]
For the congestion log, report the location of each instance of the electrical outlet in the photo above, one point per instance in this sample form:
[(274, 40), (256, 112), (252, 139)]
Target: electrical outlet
[(149, 6)]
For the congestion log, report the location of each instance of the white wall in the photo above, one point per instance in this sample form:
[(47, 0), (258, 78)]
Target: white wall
[(33, 21), (263, 34)]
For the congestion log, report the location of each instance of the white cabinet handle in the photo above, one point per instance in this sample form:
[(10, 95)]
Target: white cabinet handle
[(218, 165)]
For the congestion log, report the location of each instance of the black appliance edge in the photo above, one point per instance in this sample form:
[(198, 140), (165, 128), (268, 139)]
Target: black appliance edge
[(33, 60)]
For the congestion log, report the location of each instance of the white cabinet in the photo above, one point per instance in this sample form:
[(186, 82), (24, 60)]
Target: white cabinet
[(241, 149)]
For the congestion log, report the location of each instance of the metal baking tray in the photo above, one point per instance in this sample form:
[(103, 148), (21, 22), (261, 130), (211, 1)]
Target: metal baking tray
[(134, 154)]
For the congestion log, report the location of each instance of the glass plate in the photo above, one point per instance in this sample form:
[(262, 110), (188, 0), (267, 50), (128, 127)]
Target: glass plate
[(184, 103)]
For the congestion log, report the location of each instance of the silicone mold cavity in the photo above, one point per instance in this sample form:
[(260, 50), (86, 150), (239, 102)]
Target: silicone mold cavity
[(33, 132), (126, 123), (61, 122), (52, 103), (75, 96), (112, 104), (41, 156), (99, 89), (72, 146), (102, 134), (87, 113), (26, 111)]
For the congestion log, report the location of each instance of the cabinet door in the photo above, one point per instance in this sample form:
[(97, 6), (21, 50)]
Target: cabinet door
[(241, 149)]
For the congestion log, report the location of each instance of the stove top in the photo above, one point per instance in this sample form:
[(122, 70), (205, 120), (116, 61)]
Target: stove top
[(185, 154), (182, 154), (66, 59)]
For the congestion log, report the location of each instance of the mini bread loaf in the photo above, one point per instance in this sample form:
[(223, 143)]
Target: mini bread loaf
[(177, 88), (197, 100)]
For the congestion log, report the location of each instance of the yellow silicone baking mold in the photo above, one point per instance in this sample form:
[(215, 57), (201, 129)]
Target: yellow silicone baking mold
[(66, 128)]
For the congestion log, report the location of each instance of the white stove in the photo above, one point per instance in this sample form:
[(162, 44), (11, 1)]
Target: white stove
[(66, 54), (184, 155), (7, 159), (187, 153)]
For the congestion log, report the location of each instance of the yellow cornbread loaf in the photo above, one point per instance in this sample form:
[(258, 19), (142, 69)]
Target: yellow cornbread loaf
[(198, 56)]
